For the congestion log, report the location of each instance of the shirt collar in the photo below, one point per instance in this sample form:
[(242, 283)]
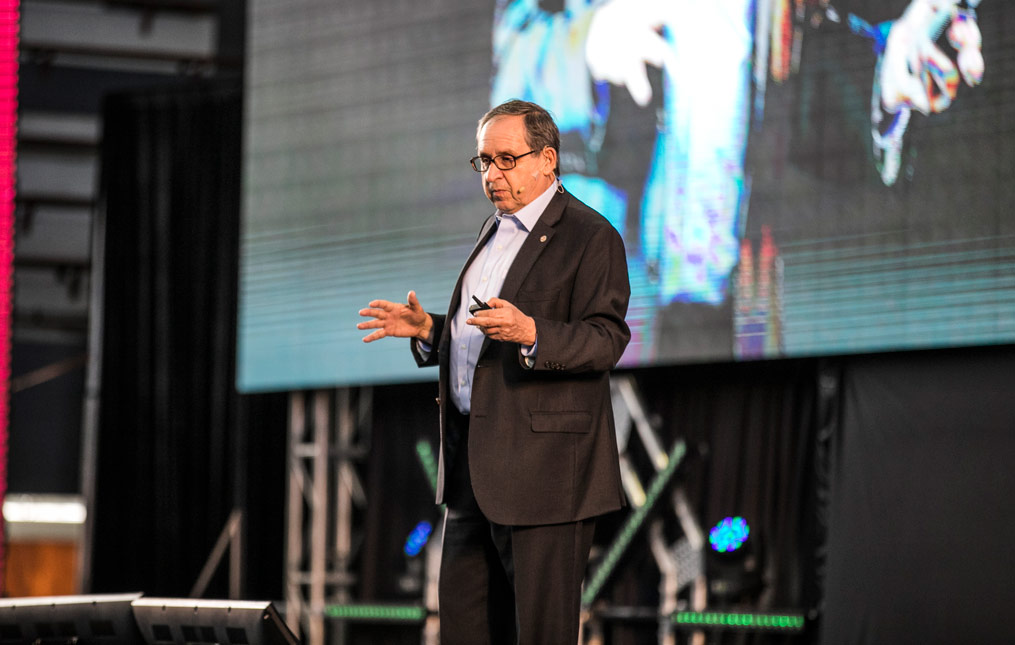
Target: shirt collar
[(529, 214)]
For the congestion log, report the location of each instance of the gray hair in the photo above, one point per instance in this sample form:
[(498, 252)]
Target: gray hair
[(540, 130)]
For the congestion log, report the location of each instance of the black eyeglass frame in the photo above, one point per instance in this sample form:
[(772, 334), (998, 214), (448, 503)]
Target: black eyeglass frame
[(479, 166)]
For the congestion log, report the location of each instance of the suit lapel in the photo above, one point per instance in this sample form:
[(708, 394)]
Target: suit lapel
[(532, 248)]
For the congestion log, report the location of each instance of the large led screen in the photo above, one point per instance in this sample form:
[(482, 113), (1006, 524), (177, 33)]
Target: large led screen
[(790, 177)]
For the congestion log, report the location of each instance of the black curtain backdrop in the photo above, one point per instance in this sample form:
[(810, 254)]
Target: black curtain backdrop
[(179, 449), (750, 431), (923, 507)]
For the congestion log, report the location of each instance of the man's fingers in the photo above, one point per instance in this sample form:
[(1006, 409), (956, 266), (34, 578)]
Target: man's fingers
[(496, 303), (485, 323), (377, 335), (393, 319), (413, 301)]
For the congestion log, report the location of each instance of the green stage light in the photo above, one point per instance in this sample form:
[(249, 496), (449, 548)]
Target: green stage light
[(377, 613), (426, 459), (785, 622)]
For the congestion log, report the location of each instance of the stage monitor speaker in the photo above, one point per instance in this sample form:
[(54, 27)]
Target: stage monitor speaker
[(84, 620), (178, 621)]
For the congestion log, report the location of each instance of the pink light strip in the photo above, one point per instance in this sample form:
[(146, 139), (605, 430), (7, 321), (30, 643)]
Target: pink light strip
[(10, 13)]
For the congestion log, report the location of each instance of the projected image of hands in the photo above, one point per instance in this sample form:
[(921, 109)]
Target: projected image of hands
[(914, 73), (624, 36)]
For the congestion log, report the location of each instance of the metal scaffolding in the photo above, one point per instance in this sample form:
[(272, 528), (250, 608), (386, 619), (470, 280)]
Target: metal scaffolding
[(329, 433)]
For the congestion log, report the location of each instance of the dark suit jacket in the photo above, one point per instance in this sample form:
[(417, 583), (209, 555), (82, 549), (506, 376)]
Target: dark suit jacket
[(542, 445)]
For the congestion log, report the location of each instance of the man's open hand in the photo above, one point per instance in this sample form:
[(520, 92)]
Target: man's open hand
[(505, 322), (396, 319)]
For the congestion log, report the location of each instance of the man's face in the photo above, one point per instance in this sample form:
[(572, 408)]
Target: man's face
[(510, 190)]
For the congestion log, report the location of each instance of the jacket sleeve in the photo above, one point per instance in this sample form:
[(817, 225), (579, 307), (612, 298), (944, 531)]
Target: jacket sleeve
[(595, 335), (431, 357)]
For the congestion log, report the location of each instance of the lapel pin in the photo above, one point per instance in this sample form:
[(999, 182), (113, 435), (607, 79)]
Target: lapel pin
[(542, 239)]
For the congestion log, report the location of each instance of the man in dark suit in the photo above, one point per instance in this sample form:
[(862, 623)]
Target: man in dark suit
[(528, 448)]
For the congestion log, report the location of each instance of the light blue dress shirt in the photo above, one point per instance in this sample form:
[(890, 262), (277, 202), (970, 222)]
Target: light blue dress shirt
[(484, 279)]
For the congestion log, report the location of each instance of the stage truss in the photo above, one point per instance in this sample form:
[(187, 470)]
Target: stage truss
[(329, 434)]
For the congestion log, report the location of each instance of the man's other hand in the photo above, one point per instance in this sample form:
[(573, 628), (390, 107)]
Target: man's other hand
[(396, 319), (505, 322)]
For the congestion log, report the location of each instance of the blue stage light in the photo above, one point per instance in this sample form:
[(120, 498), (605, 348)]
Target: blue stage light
[(729, 534), (417, 539)]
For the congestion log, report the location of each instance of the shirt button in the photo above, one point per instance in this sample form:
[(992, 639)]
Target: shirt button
[(484, 278), (500, 246)]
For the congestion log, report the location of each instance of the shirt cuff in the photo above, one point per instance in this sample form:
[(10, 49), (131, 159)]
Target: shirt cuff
[(424, 349), (529, 354)]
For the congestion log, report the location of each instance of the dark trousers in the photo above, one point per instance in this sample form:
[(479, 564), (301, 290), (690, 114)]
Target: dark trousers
[(506, 584)]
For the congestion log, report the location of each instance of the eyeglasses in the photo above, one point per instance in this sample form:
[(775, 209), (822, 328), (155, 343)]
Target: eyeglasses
[(504, 162)]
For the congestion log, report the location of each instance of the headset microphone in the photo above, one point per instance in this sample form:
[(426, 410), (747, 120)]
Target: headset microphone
[(522, 189)]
